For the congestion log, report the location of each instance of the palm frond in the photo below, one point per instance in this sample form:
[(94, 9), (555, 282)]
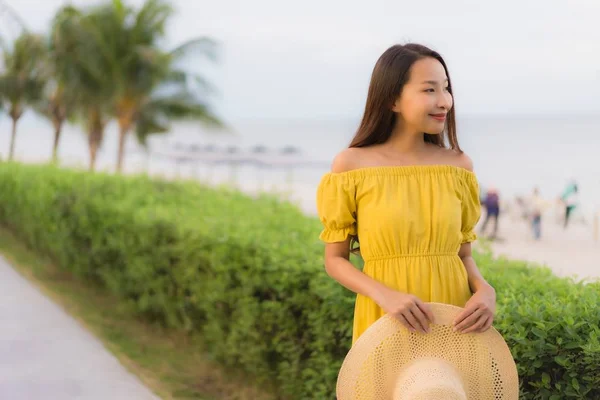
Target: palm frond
[(182, 105), (150, 21), (148, 125), (24, 76), (204, 46), (155, 115)]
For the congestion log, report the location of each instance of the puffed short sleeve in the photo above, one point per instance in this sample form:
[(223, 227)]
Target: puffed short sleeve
[(471, 208), (336, 207)]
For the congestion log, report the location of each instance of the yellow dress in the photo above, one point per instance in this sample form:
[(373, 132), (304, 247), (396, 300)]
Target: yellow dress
[(411, 222)]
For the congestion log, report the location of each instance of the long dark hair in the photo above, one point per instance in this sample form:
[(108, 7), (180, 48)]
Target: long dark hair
[(389, 76)]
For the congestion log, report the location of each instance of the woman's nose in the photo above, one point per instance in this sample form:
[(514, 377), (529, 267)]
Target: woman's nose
[(445, 101)]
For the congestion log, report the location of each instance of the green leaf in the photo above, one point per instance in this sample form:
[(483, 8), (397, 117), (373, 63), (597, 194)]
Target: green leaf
[(561, 360), (545, 378), (572, 345), (538, 332)]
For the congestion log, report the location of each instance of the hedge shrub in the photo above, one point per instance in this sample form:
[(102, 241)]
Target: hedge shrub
[(246, 273)]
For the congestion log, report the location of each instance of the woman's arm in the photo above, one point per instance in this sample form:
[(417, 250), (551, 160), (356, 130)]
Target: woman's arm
[(476, 280), (338, 266), (479, 311), (411, 311)]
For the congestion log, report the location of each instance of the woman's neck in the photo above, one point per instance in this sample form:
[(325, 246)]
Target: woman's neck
[(405, 140)]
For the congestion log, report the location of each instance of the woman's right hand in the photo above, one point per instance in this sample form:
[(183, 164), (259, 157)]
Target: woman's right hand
[(413, 313)]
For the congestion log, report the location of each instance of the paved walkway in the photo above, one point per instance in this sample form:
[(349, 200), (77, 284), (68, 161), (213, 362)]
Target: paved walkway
[(45, 354)]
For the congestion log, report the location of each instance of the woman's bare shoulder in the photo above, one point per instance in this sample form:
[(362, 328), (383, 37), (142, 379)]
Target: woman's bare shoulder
[(463, 160), (455, 158), (350, 159)]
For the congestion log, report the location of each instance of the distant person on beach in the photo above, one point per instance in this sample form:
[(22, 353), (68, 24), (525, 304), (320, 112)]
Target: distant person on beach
[(537, 205), (570, 201), (492, 210), (521, 207), (408, 192)]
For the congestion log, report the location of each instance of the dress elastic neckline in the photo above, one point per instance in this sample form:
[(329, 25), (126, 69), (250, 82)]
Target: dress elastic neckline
[(406, 170)]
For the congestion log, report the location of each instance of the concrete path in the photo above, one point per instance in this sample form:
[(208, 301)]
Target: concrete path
[(47, 355)]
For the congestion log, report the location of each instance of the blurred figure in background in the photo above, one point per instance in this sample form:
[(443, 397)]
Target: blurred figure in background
[(482, 192), (522, 211), (570, 200), (492, 207), (537, 205)]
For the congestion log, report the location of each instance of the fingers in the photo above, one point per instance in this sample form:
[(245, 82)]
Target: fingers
[(421, 318), (483, 323), (406, 323), (477, 322), (425, 309), (477, 326), (488, 324), (469, 321), (463, 314), (415, 325)]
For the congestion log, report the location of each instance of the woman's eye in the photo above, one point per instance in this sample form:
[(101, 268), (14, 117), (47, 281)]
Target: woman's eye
[(430, 90), (447, 89)]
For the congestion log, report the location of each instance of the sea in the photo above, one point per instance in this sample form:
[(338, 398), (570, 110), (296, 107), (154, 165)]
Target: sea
[(511, 153)]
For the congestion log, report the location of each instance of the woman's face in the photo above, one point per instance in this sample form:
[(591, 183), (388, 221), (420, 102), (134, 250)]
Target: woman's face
[(425, 100)]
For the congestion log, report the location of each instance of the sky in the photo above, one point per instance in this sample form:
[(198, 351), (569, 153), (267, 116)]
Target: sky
[(313, 59)]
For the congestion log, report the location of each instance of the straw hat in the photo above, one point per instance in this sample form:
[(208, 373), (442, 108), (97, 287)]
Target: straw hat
[(388, 362)]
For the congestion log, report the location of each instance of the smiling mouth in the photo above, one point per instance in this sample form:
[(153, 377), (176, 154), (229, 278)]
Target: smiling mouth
[(439, 117)]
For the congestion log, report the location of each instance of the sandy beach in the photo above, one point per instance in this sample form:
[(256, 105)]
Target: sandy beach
[(568, 252)]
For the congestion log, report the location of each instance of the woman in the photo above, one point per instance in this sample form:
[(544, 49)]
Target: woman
[(411, 200)]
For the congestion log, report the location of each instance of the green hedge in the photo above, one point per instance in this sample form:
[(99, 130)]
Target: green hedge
[(247, 274)]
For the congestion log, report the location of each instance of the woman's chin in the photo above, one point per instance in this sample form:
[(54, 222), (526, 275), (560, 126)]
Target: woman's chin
[(436, 131)]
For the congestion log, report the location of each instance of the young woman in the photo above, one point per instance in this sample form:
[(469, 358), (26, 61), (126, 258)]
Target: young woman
[(410, 199)]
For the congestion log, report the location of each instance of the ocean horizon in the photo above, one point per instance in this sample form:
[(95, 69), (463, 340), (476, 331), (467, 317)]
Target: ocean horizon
[(513, 153)]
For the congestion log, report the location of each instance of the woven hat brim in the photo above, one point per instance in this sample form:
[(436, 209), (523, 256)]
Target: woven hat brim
[(377, 357)]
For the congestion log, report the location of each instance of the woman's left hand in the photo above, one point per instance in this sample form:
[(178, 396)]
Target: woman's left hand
[(478, 313)]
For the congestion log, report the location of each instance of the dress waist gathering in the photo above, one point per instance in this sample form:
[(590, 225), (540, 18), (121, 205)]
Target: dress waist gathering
[(368, 258)]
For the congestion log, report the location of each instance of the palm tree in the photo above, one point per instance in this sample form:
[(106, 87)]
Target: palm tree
[(60, 98), (1, 112), (81, 80), (55, 105), (22, 78), (149, 89)]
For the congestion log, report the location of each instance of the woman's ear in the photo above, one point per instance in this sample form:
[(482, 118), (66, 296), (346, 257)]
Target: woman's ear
[(396, 105)]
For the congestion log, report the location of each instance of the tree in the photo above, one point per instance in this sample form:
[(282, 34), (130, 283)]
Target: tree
[(145, 78), (22, 78), (60, 97), (81, 80)]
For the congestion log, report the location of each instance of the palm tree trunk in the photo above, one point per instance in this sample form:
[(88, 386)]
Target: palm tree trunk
[(57, 131), (93, 153), (124, 125), (96, 133), (94, 144), (121, 154), (13, 139)]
